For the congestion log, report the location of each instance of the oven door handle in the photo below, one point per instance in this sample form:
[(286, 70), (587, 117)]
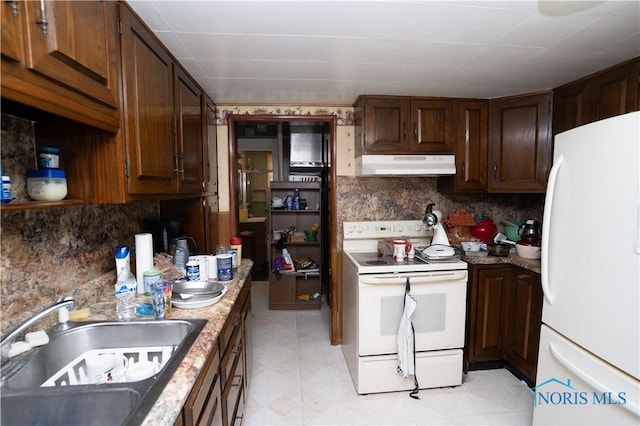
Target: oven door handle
[(417, 278)]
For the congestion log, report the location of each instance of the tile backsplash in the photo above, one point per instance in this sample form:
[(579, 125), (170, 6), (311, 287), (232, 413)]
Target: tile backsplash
[(49, 253)]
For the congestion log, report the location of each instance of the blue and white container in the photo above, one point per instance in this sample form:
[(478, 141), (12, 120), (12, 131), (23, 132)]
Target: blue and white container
[(193, 270), (49, 158), (46, 184), (6, 189), (225, 267)]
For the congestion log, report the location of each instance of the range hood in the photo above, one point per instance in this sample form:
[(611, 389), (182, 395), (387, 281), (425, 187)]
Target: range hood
[(405, 165)]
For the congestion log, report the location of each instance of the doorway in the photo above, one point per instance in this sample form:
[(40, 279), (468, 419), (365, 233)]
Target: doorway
[(285, 141)]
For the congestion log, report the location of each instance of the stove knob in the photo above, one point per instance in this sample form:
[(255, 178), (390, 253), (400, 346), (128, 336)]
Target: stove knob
[(418, 227)]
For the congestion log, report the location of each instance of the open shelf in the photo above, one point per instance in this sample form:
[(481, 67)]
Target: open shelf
[(29, 205)]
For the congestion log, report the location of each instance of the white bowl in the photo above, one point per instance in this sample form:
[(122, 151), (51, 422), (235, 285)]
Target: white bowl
[(470, 245), (141, 370), (528, 252)]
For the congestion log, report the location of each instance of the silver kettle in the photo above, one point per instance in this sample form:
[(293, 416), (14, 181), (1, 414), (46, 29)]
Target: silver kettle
[(180, 250)]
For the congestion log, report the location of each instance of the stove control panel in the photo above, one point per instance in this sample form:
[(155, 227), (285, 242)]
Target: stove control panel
[(385, 229)]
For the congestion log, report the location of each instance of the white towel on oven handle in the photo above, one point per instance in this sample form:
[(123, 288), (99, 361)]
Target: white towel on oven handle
[(406, 355)]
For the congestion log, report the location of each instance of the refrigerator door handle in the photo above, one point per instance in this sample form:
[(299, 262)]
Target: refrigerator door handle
[(546, 224), (591, 381)]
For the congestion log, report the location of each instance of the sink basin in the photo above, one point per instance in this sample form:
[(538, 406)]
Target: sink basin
[(21, 379), (69, 407)]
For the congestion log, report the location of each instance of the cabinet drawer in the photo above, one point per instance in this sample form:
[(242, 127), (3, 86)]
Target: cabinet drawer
[(230, 329), (232, 396), (232, 355), (203, 404)]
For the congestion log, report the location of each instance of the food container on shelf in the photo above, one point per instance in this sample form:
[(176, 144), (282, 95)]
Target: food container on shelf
[(46, 184)]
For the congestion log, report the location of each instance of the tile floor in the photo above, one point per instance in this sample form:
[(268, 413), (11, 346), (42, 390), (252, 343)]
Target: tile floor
[(297, 378)]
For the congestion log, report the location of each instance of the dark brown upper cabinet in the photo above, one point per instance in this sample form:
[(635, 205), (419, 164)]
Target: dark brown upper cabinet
[(520, 145)]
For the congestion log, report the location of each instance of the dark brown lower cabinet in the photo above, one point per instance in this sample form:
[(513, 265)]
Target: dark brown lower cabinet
[(218, 396), (524, 320), (504, 312)]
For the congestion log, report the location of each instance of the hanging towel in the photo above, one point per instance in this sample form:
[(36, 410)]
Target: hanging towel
[(406, 340)]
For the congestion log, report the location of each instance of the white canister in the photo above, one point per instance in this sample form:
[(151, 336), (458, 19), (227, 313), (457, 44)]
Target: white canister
[(212, 267)]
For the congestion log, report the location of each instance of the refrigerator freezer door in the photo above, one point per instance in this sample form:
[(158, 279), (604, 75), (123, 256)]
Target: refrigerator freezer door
[(576, 388), (590, 263)]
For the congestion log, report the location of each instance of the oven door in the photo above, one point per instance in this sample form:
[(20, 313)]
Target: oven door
[(439, 318)]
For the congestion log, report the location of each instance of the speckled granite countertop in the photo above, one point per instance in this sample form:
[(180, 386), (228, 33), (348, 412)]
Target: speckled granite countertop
[(512, 259), (173, 397)]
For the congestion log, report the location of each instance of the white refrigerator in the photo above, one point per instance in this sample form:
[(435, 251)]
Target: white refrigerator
[(589, 354)]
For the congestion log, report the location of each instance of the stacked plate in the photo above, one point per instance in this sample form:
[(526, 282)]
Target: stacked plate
[(196, 294)]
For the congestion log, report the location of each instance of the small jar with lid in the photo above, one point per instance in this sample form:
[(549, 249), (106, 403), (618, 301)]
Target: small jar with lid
[(49, 158), (46, 184)]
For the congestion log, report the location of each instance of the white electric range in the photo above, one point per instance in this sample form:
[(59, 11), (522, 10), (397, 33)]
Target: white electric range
[(373, 301)]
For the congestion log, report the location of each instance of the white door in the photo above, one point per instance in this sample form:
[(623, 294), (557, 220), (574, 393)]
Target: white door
[(438, 320), (575, 388), (591, 240)]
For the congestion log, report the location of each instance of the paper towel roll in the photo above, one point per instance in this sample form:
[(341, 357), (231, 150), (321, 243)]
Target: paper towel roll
[(144, 258)]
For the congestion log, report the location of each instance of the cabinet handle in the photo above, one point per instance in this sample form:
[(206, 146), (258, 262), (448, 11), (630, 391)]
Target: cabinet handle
[(180, 164), (43, 18), (404, 130), (237, 377), (176, 166), (236, 348), (14, 6), (495, 170)]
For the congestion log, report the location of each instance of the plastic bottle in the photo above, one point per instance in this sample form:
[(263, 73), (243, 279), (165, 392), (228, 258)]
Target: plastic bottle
[(125, 291), (126, 284), (123, 259), (236, 243), (296, 199)]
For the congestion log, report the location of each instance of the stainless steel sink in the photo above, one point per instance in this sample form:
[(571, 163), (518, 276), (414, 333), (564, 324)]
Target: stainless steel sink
[(98, 407), (21, 379)]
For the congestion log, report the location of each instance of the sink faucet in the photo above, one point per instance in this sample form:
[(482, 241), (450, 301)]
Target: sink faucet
[(62, 305)]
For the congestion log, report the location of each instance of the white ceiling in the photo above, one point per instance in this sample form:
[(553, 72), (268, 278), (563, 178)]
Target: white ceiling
[(329, 52)]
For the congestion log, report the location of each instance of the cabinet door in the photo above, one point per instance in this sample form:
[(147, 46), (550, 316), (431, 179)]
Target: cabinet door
[(189, 119), (204, 405), (433, 126), (74, 43), (148, 100), (524, 321), (568, 107), (12, 30), (471, 146), (386, 122), (488, 315), (614, 93), (520, 147)]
